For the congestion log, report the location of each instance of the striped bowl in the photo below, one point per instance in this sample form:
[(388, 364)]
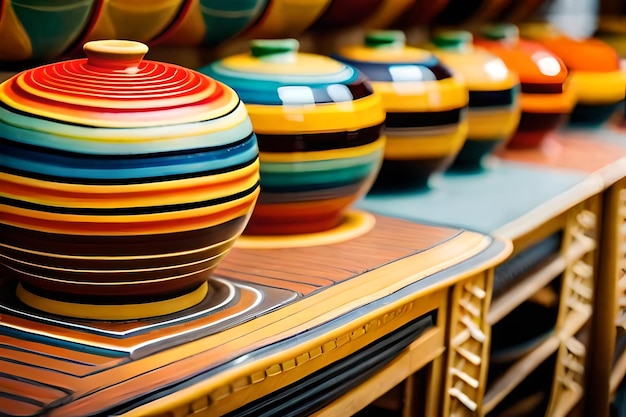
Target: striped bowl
[(318, 124), (123, 182), (425, 104)]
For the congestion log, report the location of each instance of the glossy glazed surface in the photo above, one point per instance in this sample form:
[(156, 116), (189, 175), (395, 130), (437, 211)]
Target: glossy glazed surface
[(36, 30), (123, 181), (425, 106), (286, 18), (318, 124), (494, 102), (210, 22), (546, 97), (598, 82)]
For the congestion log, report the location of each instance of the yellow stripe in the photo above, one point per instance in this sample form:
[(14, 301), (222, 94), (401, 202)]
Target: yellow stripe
[(598, 87), (354, 152), (135, 188), (302, 64), (113, 312), (426, 145), (328, 117), (492, 124), (364, 53), (196, 216), (446, 94), (169, 196)]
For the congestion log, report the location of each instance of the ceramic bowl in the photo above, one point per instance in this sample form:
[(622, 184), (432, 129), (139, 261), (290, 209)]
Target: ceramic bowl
[(211, 22), (286, 18), (318, 124), (494, 102), (426, 107), (546, 96), (124, 181), (594, 70), (39, 30)]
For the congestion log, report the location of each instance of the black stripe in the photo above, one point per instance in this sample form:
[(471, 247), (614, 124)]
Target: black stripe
[(19, 398), (310, 142), (493, 98), (423, 119), (125, 181), (51, 119), (121, 211), (126, 245), (539, 88), (431, 69), (143, 156)]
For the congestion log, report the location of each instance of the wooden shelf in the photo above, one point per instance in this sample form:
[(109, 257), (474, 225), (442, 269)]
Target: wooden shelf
[(542, 276), (566, 402), (519, 371), (618, 372)]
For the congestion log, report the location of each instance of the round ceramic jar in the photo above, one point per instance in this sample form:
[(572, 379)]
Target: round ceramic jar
[(124, 182), (318, 124), (426, 106), (546, 97), (594, 70), (494, 105)]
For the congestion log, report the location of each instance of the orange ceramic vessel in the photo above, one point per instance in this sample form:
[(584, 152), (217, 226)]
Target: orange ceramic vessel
[(546, 96), (124, 183), (598, 82)]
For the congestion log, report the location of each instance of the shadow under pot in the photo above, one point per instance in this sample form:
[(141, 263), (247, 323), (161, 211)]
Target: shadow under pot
[(125, 183), (426, 108), (546, 97), (318, 124)]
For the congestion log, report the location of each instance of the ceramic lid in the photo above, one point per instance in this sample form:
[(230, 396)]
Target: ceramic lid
[(115, 88), (384, 56), (271, 71), (533, 63)]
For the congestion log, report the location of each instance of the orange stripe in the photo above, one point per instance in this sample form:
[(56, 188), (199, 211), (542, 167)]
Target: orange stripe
[(199, 221)]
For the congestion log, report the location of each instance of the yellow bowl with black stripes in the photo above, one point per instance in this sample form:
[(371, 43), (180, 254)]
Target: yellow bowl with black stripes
[(426, 107), (318, 123), (494, 95)]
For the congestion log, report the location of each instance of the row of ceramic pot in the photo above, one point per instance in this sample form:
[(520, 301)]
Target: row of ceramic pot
[(125, 181), (36, 30)]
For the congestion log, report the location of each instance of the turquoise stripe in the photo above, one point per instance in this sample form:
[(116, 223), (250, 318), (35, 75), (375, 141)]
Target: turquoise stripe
[(316, 174), (49, 134)]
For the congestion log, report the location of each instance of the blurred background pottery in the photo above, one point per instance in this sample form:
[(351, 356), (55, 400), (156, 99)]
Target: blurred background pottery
[(40, 30), (494, 105), (546, 96), (211, 22), (318, 124), (287, 18), (124, 182), (426, 107), (138, 20), (594, 69)]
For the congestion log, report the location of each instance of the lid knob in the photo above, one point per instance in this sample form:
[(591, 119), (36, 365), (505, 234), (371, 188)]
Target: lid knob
[(117, 55), (452, 39), (274, 49), (385, 39), (501, 32)]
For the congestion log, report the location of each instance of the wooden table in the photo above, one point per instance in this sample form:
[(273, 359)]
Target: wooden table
[(571, 188), (291, 331)]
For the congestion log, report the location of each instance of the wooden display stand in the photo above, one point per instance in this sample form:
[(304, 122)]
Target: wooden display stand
[(321, 329), (571, 189)]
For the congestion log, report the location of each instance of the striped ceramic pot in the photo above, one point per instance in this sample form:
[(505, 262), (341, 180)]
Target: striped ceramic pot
[(123, 183), (494, 95), (426, 107), (318, 124)]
